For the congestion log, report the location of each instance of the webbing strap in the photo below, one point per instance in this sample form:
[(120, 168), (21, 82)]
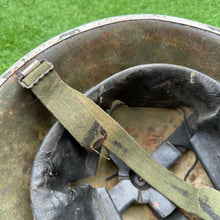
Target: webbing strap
[(91, 126)]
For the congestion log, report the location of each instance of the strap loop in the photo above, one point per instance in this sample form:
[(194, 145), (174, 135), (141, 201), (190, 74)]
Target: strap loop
[(31, 76)]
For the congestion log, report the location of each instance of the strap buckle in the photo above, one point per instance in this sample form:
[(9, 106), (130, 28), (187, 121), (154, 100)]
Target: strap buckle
[(30, 69)]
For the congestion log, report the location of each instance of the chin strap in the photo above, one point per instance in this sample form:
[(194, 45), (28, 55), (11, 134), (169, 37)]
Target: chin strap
[(91, 127)]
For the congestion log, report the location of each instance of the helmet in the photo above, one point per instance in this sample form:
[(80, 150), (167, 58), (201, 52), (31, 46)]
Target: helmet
[(155, 40)]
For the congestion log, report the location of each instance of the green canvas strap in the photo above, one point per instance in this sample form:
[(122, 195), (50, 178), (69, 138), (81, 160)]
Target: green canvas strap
[(91, 126)]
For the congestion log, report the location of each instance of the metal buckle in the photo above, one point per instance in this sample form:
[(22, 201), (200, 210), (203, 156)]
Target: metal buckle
[(31, 68)]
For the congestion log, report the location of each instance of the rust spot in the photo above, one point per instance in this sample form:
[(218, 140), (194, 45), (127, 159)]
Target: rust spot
[(154, 37), (131, 130), (151, 138), (100, 141), (105, 35), (173, 37)]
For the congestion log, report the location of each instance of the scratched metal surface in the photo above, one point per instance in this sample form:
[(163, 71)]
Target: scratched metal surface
[(83, 57)]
